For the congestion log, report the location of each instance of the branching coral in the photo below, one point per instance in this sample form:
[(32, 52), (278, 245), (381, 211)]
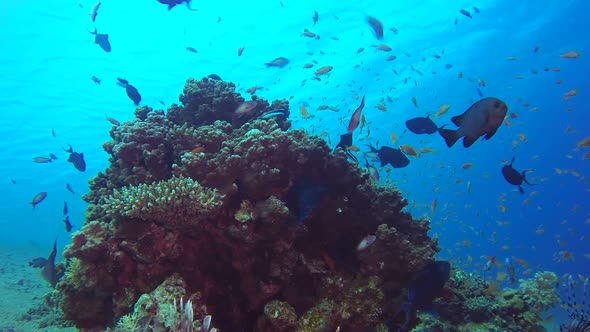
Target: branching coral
[(179, 201)]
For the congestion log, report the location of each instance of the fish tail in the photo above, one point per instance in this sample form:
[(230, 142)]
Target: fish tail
[(525, 179), (449, 135), (188, 5)]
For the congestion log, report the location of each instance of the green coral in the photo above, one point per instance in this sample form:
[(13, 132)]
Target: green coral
[(479, 308), (165, 308), (74, 273), (281, 315), (127, 323), (178, 200), (318, 318), (537, 294)]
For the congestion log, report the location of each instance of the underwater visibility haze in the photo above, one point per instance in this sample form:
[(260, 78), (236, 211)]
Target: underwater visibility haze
[(178, 165)]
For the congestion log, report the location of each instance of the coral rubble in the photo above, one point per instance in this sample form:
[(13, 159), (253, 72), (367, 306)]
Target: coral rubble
[(198, 201)]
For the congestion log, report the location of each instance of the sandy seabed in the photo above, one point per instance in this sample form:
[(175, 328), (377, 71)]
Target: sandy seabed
[(22, 291)]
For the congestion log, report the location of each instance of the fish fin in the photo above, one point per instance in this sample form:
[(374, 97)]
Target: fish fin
[(520, 189), (372, 148), (468, 141), (523, 174), (458, 120), (490, 134), (188, 5), (449, 135)]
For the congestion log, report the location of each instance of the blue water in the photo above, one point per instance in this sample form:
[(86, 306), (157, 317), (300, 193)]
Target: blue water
[(48, 58)]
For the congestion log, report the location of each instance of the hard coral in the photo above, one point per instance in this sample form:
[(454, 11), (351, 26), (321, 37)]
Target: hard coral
[(151, 219), (208, 100), (179, 201), (467, 305), (167, 308)]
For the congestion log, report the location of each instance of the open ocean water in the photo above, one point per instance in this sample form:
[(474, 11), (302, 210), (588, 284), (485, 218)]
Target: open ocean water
[(510, 50)]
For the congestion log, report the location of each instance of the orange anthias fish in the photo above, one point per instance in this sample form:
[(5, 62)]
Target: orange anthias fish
[(381, 107), (433, 207), (356, 117), (394, 138), (112, 121), (442, 110), (324, 70), (304, 112), (467, 166), (585, 143), (384, 47), (426, 150), (570, 55), (569, 94), (409, 150)]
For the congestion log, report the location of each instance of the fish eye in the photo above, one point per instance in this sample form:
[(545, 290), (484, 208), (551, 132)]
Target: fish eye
[(496, 104)]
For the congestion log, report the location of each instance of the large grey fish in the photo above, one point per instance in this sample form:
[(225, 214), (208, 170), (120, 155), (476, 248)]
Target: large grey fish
[(49, 272), (482, 118), (278, 62)]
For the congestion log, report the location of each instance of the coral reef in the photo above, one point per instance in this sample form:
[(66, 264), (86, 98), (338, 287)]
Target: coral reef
[(471, 304), (198, 201), (167, 308)]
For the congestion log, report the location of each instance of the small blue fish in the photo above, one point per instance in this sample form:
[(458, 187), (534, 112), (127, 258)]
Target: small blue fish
[(422, 125), (395, 157), (515, 177)]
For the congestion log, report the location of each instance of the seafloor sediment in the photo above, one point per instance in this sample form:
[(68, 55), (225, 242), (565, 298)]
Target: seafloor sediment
[(204, 205)]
